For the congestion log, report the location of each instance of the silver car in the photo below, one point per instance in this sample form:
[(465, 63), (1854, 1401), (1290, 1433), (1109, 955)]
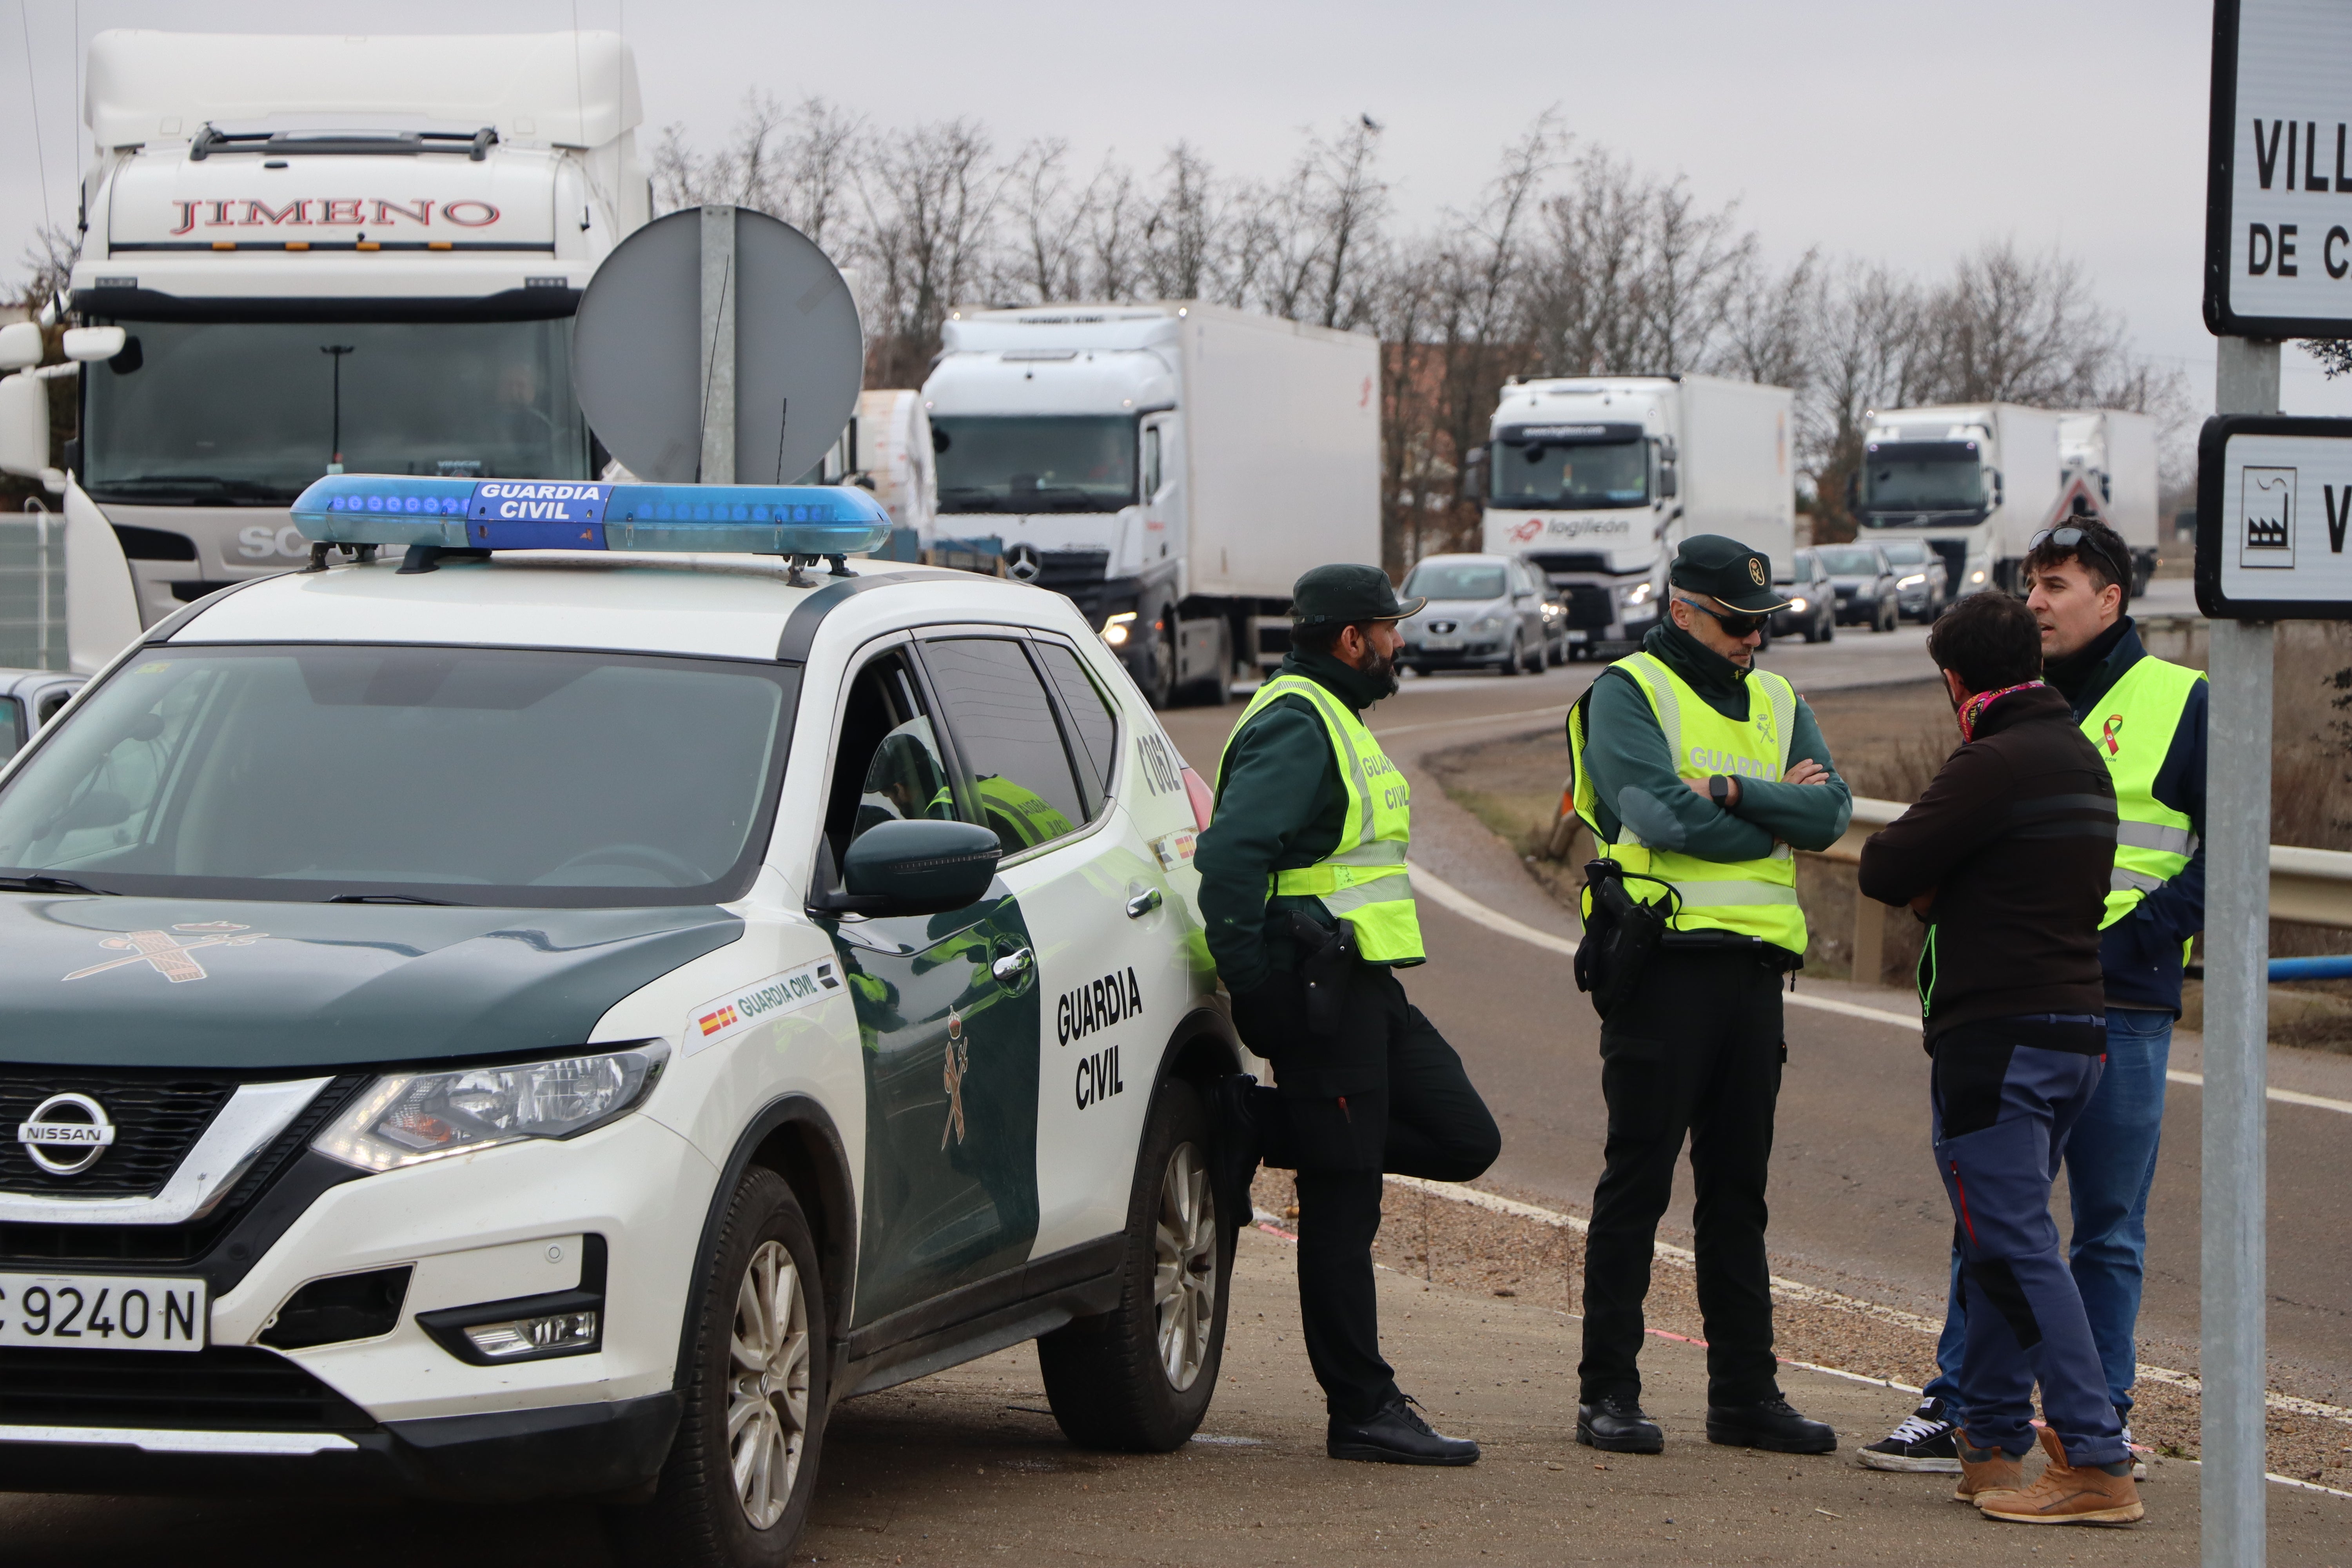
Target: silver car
[(1485, 612), (1922, 588), (28, 699)]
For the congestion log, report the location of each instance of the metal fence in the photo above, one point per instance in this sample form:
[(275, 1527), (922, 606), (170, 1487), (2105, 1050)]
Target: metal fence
[(33, 591)]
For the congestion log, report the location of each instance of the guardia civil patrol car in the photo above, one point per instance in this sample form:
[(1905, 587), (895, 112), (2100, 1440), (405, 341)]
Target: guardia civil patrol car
[(558, 995)]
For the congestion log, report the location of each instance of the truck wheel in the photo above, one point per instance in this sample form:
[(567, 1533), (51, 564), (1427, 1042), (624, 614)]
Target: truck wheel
[(1159, 670), (1215, 688), (742, 1470), (1139, 1378)]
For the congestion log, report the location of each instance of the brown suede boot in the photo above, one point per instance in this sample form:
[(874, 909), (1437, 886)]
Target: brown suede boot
[(1984, 1472), (2065, 1495)]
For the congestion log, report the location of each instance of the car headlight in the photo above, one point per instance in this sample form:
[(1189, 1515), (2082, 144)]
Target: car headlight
[(1912, 580), (1798, 604), (1639, 593), (1976, 576), (407, 1119), (1118, 628)]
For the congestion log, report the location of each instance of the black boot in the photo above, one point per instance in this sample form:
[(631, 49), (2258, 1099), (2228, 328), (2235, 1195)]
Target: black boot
[(1770, 1425), (1396, 1434), (1234, 1148), (1614, 1423)]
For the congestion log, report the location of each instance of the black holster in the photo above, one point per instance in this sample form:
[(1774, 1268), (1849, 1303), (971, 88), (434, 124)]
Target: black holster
[(1327, 963), (1621, 932)]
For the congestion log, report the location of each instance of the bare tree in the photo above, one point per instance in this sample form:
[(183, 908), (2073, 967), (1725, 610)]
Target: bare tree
[(1694, 259), (929, 197), (2019, 329), (1048, 262)]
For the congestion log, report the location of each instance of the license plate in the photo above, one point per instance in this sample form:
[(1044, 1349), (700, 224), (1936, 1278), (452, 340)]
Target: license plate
[(102, 1312), (1442, 644), (1576, 636)]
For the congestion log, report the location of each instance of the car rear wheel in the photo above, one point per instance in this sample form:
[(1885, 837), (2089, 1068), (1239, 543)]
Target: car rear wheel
[(1517, 660), (742, 1470), (1139, 1378)]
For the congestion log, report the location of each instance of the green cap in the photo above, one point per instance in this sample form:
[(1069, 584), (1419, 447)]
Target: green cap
[(1726, 571), (1343, 594)]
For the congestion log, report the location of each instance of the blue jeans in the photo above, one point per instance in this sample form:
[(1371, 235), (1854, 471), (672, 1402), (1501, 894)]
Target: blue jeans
[(2110, 1167)]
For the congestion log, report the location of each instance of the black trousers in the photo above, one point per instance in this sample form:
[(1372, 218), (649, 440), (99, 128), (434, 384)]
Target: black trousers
[(1696, 1049), (1424, 1119)]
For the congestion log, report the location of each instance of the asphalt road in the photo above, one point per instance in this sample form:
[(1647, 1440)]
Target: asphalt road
[(1856, 1205)]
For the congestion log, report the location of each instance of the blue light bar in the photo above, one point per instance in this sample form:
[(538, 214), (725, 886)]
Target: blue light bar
[(581, 514)]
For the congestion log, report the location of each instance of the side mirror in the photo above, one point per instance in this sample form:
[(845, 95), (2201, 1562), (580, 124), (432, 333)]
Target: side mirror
[(915, 868), (20, 345), (1474, 474), (24, 422), (91, 343), (1994, 475), (1668, 487)]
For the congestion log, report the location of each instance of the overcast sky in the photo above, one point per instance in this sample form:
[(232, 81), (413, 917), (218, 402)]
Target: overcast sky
[(1900, 132)]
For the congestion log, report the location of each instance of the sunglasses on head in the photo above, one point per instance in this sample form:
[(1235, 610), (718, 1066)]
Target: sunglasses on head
[(2079, 540), (1733, 624)]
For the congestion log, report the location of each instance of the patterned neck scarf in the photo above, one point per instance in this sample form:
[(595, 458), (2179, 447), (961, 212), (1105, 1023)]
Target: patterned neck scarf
[(1972, 711)]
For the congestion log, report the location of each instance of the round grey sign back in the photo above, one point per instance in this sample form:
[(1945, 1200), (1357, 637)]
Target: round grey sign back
[(637, 356)]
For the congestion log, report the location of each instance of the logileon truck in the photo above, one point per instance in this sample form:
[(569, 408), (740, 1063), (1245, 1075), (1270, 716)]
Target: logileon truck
[(329, 254), (1173, 468), (1597, 480), (1974, 481)]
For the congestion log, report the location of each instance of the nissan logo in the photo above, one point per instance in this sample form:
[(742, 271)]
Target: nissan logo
[(1022, 561), (81, 1137)]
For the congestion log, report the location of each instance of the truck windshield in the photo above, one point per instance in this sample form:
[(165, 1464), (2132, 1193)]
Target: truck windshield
[(1073, 462), (224, 412), (513, 777), (1541, 475), (1924, 476)]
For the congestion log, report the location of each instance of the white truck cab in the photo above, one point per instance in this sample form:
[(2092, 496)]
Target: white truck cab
[(1974, 481), (689, 989)]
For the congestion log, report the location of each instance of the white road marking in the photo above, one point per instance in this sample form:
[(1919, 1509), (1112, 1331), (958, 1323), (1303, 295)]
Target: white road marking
[(1438, 890)]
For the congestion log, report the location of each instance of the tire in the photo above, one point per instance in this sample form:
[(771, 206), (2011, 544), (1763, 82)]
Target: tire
[(1829, 628), (1108, 1378), (1215, 689), (699, 1518), (1160, 682), (1516, 659)]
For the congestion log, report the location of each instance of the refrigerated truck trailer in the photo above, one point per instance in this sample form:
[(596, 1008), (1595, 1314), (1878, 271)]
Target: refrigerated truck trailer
[(1597, 480), (2112, 452), (1173, 468), (1974, 480), (331, 253)]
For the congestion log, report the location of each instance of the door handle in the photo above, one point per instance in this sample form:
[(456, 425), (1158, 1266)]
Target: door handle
[(1143, 903), (1013, 966)]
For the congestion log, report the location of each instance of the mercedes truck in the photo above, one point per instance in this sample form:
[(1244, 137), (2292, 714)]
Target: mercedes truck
[(1596, 480), (312, 254), (1173, 468), (1975, 481)]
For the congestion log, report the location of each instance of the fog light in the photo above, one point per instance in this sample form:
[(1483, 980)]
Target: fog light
[(1118, 628), (528, 1336)]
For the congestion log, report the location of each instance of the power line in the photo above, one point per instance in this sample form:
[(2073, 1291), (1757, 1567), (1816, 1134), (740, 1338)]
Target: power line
[(33, 104)]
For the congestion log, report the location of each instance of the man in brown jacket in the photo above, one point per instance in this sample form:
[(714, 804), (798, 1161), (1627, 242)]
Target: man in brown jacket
[(2007, 858)]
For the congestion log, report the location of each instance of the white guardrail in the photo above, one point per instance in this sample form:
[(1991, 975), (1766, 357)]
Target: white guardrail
[(2309, 887)]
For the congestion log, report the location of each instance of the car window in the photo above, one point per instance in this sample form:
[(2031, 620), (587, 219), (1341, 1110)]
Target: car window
[(1022, 787), (1091, 713), (12, 727), (887, 765), (1465, 580)]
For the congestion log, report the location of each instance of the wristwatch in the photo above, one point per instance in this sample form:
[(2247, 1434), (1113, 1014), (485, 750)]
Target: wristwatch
[(1718, 790)]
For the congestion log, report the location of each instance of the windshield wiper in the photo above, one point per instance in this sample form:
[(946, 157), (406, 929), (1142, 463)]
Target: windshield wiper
[(385, 899), (40, 883)]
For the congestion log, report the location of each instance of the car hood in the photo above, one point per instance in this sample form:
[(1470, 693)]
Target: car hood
[(131, 982)]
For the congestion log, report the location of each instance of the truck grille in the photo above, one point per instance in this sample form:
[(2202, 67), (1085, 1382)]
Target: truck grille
[(157, 1119), (1591, 607), (1557, 561), (231, 1388)]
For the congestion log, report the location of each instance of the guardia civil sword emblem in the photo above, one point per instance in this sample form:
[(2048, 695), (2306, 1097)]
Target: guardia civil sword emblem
[(167, 952)]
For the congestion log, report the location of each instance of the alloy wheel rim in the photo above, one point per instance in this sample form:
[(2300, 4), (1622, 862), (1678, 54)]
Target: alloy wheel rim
[(1185, 1280), (768, 1384)]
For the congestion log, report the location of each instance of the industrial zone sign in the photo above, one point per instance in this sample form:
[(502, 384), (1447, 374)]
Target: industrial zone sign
[(2278, 194), (2274, 513)]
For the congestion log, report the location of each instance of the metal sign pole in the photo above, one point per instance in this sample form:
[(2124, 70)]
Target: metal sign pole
[(718, 291), (2234, 1284)]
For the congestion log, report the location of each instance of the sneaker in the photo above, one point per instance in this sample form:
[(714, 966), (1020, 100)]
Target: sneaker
[(1984, 1472), (1923, 1444), (2065, 1495), (2139, 1466)]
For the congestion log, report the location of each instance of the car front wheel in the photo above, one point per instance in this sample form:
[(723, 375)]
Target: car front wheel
[(1139, 1378)]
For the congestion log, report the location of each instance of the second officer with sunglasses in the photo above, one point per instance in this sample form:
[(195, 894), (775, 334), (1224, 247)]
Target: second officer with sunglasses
[(1697, 774)]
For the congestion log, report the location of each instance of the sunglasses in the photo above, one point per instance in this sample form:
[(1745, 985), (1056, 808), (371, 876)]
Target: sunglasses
[(1737, 625), (2080, 540)]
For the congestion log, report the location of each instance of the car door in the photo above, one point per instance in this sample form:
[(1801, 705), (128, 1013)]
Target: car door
[(950, 1195), (1110, 966)]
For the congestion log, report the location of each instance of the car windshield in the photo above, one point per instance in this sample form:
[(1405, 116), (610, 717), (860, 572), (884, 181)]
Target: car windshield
[(1851, 562), (1908, 552), (223, 413), (1539, 475), (1798, 568), (1047, 463), (1923, 476), (512, 777), (1466, 579)]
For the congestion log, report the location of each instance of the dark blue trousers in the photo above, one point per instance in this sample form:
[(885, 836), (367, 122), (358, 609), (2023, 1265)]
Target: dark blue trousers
[(2002, 1111)]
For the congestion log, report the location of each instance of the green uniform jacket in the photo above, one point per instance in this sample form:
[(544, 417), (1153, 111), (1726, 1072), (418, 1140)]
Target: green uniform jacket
[(1635, 779), (1281, 805)]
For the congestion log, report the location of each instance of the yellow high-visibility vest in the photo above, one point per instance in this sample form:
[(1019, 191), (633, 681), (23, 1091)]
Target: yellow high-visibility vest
[(1363, 880), (2133, 726), (1751, 898)]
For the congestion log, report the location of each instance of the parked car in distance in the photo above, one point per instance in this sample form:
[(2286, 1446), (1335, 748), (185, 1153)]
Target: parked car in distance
[(1864, 580), (1485, 612), (1812, 611), (28, 699), (1922, 583)]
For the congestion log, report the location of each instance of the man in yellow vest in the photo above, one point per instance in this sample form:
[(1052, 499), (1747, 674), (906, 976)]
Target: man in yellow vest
[(1310, 913), (1698, 772), (2146, 718)]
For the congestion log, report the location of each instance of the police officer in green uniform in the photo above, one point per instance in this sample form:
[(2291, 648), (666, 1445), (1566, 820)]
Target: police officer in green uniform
[(1309, 912), (1698, 771)]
